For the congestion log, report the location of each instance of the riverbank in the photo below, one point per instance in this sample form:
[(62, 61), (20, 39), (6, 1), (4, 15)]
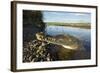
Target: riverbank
[(78, 25)]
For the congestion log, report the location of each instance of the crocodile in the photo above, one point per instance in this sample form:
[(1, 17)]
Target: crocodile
[(66, 41)]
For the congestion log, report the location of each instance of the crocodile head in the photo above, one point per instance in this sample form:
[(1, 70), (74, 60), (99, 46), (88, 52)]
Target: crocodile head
[(40, 36)]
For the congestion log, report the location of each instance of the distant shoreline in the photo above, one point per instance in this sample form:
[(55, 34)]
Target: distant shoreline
[(78, 25), (85, 27)]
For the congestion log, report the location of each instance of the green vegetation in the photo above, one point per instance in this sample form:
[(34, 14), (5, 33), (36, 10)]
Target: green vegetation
[(79, 25)]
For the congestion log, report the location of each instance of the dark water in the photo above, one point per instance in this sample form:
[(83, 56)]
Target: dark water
[(83, 34)]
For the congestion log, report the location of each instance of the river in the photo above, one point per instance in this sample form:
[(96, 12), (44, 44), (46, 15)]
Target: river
[(81, 33)]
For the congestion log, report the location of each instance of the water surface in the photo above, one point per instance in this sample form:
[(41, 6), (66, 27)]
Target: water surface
[(81, 33)]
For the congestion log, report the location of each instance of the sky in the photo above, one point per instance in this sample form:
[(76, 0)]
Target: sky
[(68, 17)]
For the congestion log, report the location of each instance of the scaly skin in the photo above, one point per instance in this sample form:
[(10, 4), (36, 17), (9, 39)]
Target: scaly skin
[(66, 41)]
